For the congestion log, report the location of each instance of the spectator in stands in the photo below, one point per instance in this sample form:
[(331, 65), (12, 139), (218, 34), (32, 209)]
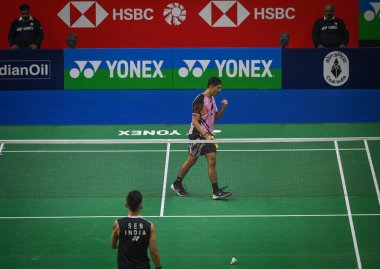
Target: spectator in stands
[(330, 31), (25, 32)]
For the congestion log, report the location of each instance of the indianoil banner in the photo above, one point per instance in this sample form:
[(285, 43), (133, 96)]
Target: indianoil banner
[(31, 69), (179, 23)]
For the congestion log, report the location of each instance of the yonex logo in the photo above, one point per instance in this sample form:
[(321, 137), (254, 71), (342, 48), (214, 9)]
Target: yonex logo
[(135, 238), (224, 13), (175, 14), (197, 71), (370, 15), (88, 72), (74, 14), (228, 67)]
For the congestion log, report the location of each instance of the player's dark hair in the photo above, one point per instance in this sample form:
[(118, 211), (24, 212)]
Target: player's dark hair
[(24, 7), (134, 199), (213, 81)]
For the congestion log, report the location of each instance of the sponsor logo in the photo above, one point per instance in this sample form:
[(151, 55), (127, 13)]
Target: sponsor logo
[(135, 14), (196, 71), (148, 132), (120, 69), (88, 72), (224, 13), (174, 14), (153, 132), (135, 238), (336, 68), (74, 14), (370, 15), (229, 68), (272, 13), (25, 69)]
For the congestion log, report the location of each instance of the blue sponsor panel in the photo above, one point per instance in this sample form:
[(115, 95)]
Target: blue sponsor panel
[(174, 107), (331, 68), (31, 69), (118, 69), (238, 68)]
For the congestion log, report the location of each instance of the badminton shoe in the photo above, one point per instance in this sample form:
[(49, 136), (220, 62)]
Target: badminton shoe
[(179, 189), (221, 194)]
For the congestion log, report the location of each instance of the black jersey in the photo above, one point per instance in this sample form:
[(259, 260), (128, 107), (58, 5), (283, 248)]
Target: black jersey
[(330, 33), (133, 243), (24, 33)]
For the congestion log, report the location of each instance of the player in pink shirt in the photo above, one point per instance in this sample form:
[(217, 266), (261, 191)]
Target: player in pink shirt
[(205, 112)]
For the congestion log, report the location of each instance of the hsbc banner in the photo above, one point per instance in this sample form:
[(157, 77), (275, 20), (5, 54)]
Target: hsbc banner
[(181, 23), (237, 68), (31, 69), (331, 68), (118, 69)]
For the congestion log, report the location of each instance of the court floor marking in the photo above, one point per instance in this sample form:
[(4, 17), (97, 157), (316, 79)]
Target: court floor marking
[(165, 179), (358, 260), (195, 216), (173, 150), (372, 170), (1, 147)]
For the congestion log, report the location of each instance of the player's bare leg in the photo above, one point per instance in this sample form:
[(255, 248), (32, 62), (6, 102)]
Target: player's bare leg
[(177, 184), (217, 192)]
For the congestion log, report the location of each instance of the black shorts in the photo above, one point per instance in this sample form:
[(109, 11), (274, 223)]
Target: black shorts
[(196, 149)]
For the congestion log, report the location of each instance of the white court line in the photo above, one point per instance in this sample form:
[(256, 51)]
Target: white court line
[(1, 147), (195, 216), (372, 170), (174, 150), (348, 206), (165, 180)]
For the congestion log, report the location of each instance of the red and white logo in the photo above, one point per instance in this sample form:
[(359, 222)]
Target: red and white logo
[(82, 14), (224, 13)]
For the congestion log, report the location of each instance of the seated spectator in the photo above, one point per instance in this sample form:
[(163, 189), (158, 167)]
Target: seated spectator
[(25, 32), (330, 31)]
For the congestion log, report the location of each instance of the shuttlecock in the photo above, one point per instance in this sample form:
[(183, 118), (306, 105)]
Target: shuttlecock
[(233, 260)]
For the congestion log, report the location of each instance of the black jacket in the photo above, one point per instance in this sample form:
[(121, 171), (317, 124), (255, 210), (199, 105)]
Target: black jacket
[(330, 33), (24, 33)]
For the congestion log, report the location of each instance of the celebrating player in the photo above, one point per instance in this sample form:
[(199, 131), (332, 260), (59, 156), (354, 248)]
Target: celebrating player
[(205, 112)]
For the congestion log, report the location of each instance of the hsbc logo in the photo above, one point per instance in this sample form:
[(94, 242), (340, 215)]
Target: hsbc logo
[(224, 13), (82, 14), (232, 13)]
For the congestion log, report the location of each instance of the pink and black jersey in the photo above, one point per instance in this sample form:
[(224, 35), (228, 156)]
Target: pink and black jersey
[(205, 108)]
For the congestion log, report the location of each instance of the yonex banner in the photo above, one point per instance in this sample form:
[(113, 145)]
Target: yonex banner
[(331, 68), (237, 68), (32, 69), (118, 69), (172, 68)]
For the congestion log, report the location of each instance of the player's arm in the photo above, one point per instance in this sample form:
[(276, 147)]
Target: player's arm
[(153, 247), (220, 112), (115, 234)]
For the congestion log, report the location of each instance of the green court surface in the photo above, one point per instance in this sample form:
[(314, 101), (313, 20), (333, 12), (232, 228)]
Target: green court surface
[(305, 204)]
